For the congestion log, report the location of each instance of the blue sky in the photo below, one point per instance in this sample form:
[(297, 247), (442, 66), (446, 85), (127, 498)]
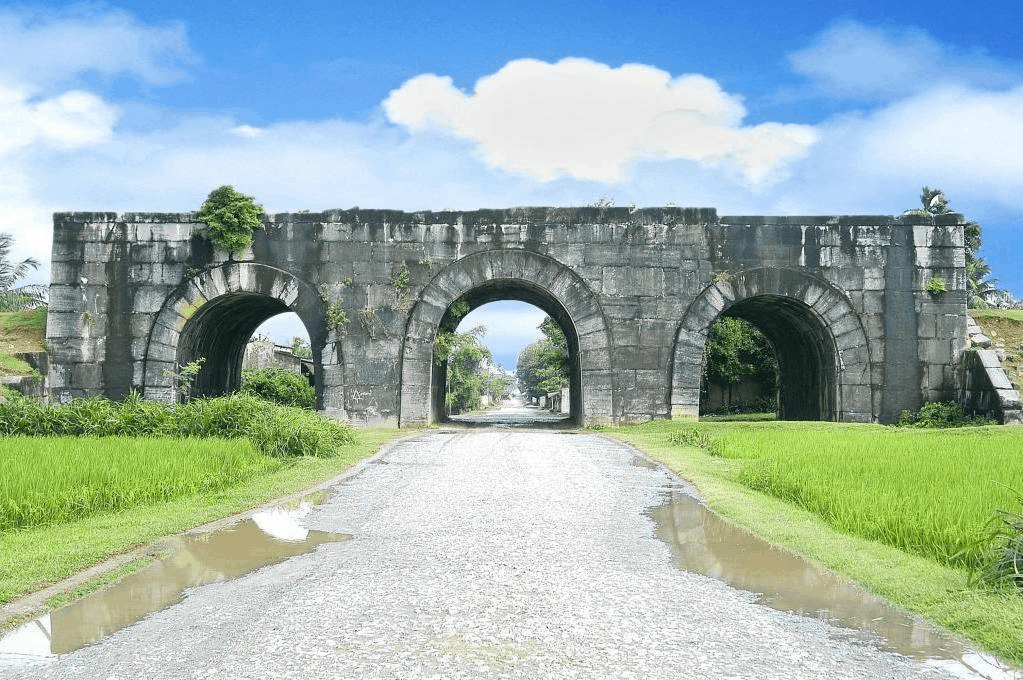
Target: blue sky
[(751, 108)]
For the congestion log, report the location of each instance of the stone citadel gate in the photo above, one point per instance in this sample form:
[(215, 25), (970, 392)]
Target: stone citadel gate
[(843, 300)]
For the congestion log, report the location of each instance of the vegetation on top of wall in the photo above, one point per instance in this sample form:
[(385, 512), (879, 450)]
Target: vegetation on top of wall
[(230, 219), (980, 287)]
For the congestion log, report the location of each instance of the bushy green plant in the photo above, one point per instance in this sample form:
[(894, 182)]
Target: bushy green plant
[(336, 316), (940, 414), (459, 309), (468, 376), (289, 432), (736, 351), (401, 279), (279, 385), (272, 428), (230, 218), (935, 285)]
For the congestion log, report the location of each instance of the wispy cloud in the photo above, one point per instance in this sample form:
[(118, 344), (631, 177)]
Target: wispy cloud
[(43, 47), (850, 59)]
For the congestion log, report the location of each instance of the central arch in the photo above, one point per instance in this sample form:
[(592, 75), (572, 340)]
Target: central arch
[(822, 350), (539, 280)]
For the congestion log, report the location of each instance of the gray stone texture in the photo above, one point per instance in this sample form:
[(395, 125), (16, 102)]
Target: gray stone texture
[(134, 296)]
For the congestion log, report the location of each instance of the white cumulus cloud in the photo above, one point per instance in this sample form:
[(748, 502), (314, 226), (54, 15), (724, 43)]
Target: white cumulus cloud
[(585, 120)]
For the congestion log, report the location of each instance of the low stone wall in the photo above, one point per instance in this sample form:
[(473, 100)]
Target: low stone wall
[(986, 389)]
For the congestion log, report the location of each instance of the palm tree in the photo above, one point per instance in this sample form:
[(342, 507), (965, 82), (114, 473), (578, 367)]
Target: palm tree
[(979, 288), (12, 296)]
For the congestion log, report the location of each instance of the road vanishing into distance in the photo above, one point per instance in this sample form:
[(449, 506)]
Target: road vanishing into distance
[(503, 552)]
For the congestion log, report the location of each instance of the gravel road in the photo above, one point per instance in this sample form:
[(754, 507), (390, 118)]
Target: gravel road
[(488, 553)]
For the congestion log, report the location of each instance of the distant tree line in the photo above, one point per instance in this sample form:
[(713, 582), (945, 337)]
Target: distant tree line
[(471, 371), (543, 366)]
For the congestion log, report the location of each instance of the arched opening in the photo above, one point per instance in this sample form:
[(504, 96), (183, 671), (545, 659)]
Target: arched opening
[(510, 274), (822, 350), (740, 371), (281, 343), (218, 333), (213, 315), (804, 351), (562, 407)]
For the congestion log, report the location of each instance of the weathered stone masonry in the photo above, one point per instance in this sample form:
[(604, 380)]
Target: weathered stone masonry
[(842, 299)]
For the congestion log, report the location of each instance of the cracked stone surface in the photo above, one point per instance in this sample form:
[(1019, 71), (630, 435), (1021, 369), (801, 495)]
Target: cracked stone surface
[(484, 554)]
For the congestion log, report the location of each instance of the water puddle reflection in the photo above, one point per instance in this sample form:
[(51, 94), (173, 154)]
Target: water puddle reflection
[(268, 538), (704, 543)]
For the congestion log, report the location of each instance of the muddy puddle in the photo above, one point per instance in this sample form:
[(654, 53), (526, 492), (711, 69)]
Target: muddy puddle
[(704, 543), (268, 538)]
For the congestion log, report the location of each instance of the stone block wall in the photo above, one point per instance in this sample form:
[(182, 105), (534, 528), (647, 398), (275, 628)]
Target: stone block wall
[(635, 290)]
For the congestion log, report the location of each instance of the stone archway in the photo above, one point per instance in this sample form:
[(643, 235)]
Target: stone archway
[(822, 349), (212, 316), (520, 275)]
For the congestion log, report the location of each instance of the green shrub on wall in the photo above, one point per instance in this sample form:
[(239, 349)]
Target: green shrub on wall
[(230, 218)]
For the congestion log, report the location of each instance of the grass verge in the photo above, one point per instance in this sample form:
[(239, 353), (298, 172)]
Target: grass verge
[(33, 558), (49, 480), (21, 332), (991, 618)]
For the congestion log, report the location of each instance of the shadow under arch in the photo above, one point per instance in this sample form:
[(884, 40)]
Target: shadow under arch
[(213, 315), (819, 340), (536, 279)]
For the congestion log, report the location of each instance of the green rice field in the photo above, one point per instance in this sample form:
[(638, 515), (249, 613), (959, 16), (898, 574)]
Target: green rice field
[(48, 480), (905, 512), (929, 492)]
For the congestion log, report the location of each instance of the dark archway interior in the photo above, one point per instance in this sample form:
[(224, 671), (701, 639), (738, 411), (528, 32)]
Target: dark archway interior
[(805, 352), (218, 332), (523, 291)]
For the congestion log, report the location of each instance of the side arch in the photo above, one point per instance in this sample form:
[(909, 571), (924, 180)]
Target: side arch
[(818, 324), (510, 274), (213, 314)]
